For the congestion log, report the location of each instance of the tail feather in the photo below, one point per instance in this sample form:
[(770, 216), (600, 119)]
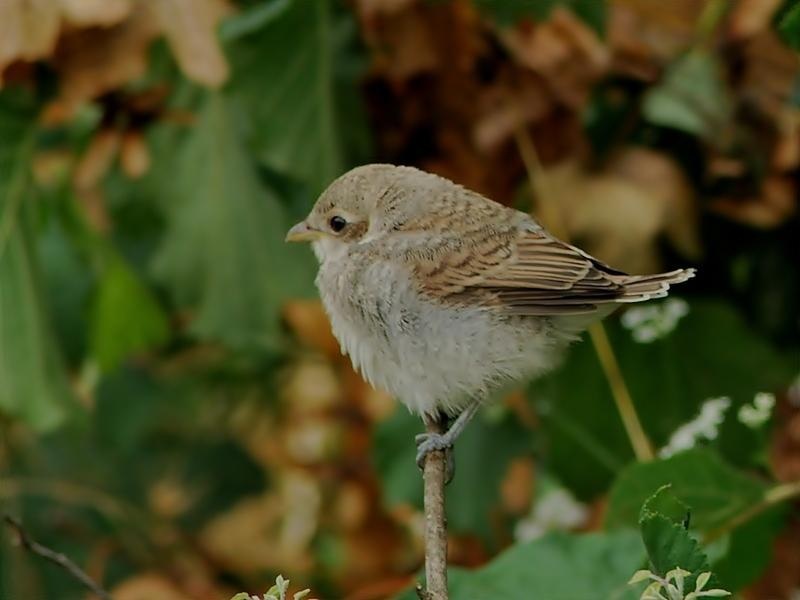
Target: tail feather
[(637, 288)]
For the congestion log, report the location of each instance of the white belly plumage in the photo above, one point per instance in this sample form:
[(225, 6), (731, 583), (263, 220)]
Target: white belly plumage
[(431, 357)]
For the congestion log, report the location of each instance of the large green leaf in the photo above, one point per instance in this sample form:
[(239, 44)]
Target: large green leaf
[(557, 567), (223, 256), (33, 384), (668, 379), (713, 490), (127, 318), (284, 76)]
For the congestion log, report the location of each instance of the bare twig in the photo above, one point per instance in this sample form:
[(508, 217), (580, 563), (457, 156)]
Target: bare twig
[(435, 523), (551, 219), (57, 558)]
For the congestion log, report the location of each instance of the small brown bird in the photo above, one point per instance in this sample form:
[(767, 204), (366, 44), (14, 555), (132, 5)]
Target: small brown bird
[(440, 295)]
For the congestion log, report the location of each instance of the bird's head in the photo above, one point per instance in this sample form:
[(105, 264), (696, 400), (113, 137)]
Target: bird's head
[(363, 203)]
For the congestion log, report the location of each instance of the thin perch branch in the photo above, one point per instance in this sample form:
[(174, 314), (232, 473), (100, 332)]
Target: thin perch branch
[(57, 558), (433, 477)]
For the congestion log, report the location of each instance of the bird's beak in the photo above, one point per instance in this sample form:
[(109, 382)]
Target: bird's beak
[(302, 233)]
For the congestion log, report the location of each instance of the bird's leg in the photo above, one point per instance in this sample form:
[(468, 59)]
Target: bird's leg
[(429, 442)]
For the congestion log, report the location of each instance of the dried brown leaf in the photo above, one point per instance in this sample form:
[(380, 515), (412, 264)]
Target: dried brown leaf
[(244, 538), (311, 386), (308, 321), (563, 50), (368, 9), (423, 38), (507, 107), (776, 203), (28, 30), (95, 60), (352, 506), (313, 441), (619, 213), (786, 153), (645, 36), (749, 17), (97, 159), (169, 498), (516, 489), (190, 27), (134, 154), (402, 45), (148, 586), (95, 12), (770, 70)]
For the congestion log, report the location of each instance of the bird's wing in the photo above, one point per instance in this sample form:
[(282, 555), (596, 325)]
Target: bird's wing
[(526, 271)]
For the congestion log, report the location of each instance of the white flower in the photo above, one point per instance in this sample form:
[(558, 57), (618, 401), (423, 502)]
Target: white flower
[(704, 426), (672, 585), (654, 321), (756, 414), (555, 510), (276, 592)]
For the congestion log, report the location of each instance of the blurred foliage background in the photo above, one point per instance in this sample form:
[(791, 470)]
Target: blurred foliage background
[(174, 413)]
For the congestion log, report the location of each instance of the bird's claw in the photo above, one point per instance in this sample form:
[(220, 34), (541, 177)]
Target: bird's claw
[(431, 442)]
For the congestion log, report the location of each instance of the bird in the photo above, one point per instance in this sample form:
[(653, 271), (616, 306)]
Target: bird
[(441, 296)]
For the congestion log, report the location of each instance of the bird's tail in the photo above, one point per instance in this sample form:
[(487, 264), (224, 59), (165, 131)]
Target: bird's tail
[(637, 288)]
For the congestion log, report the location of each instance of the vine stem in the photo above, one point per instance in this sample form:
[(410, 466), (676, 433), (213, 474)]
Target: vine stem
[(551, 218), (433, 477), (775, 495)]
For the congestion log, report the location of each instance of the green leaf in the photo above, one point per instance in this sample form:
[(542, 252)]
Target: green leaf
[(223, 257), (692, 97), (284, 78), (789, 26), (666, 538), (483, 453), (585, 443), (129, 404), (559, 566), (665, 503), (750, 549), (713, 490), (126, 317), (33, 383)]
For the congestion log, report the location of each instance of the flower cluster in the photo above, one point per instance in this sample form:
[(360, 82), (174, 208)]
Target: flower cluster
[(276, 592), (654, 321), (671, 586), (704, 426)]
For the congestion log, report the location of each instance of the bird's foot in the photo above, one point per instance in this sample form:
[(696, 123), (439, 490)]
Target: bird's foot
[(432, 442)]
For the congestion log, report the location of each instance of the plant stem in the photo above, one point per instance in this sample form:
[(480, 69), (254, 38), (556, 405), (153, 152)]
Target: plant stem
[(775, 495), (57, 558), (619, 390), (435, 521), (551, 218)]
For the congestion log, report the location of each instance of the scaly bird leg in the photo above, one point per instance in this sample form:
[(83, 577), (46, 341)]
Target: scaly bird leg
[(430, 442)]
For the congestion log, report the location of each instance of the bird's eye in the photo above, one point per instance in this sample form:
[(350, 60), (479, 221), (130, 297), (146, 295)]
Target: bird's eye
[(337, 223)]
